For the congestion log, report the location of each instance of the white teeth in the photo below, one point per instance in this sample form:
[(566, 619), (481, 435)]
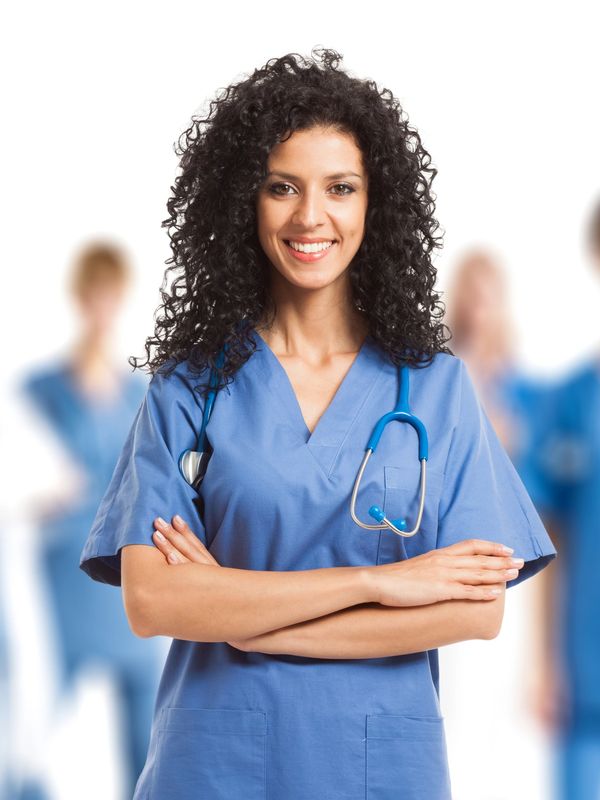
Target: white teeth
[(314, 247)]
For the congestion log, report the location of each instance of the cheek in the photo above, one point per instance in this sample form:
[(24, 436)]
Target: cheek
[(351, 222), (270, 216)]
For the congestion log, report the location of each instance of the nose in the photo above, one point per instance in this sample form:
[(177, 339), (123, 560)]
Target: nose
[(309, 210)]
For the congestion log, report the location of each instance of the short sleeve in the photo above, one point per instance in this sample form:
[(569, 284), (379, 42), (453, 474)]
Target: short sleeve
[(483, 496), (146, 482)]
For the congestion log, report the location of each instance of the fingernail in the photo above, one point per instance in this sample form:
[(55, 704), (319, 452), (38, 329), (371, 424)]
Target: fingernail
[(161, 522), (160, 536), (173, 558), (506, 549), (518, 561), (496, 591), (178, 519)]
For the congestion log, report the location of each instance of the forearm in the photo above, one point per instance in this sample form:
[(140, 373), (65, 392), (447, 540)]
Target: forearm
[(206, 603), (374, 631), (545, 601)]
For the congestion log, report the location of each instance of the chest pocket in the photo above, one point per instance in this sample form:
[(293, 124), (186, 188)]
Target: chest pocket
[(401, 501), (210, 752)]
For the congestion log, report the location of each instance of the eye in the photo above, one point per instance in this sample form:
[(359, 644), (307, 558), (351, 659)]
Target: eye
[(344, 186), (280, 189), (274, 188)]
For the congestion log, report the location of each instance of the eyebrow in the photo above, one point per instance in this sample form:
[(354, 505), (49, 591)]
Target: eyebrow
[(335, 176)]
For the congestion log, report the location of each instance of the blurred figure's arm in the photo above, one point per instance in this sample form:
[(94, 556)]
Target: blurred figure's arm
[(548, 689), (37, 475)]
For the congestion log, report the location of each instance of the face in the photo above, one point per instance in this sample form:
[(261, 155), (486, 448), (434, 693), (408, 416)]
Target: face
[(100, 304), (481, 294), (311, 208)]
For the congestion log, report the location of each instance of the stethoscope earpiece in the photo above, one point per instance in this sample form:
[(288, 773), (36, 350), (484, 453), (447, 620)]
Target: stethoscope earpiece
[(379, 515)]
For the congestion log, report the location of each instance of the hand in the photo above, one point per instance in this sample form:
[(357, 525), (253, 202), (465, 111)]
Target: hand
[(467, 570), (180, 545)]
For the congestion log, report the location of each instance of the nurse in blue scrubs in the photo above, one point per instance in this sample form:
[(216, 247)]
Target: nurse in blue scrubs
[(304, 660), (562, 473), (90, 405), (5, 778), (483, 336)]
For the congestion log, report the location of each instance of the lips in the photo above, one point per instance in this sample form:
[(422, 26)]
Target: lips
[(305, 240), (309, 257)]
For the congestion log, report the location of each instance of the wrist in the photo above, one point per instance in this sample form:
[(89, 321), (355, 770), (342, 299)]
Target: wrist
[(368, 585)]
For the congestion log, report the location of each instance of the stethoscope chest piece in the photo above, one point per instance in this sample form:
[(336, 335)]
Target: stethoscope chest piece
[(192, 465)]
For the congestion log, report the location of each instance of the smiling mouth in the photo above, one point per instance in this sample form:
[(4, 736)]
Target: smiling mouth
[(308, 252), (310, 247)]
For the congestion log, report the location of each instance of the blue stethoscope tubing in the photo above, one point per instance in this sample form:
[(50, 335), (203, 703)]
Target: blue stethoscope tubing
[(193, 463), (401, 413)]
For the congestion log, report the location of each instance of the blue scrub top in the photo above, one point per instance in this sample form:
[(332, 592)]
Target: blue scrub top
[(561, 473), (276, 497), (90, 621), (522, 397)]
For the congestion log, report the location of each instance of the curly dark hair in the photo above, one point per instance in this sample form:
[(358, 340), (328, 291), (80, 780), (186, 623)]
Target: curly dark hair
[(220, 285)]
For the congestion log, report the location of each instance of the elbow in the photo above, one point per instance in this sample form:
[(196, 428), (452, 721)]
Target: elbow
[(139, 613), (490, 618), (142, 571)]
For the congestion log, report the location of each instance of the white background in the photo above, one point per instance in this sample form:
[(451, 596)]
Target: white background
[(504, 96)]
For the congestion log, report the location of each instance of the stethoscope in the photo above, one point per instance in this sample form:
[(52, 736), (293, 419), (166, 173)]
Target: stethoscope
[(193, 463)]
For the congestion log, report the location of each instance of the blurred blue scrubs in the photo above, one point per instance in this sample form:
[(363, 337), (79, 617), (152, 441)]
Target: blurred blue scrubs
[(232, 724), (90, 620), (561, 473), (517, 396), (5, 777)]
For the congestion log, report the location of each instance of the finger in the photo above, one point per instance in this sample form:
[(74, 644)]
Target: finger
[(181, 543), (167, 549), (482, 562), (194, 541), (483, 576), (479, 546), (181, 526), (464, 591)]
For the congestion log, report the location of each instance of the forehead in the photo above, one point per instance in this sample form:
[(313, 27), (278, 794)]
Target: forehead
[(317, 151)]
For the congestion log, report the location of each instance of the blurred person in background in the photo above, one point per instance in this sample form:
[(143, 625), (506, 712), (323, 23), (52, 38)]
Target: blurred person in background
[(4, 703), (90, 402), (484, 336), (562, 475), (37, 474)]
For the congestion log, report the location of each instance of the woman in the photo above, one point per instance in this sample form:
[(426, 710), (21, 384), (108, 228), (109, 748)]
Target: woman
[(90, 403), (561, 471), (484, 338), (304, 659)]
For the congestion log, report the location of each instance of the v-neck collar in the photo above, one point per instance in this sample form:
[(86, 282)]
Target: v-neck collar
[(337, 419)]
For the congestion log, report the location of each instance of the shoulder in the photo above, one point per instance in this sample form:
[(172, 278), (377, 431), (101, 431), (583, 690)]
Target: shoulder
[(45, 388), (447, 376), (178, 382), (43, 377), (577, 377), (443, 368)]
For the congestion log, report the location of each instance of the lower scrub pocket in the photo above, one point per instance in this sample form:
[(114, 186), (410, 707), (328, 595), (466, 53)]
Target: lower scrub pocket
[(406, 758), (210, 754)]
